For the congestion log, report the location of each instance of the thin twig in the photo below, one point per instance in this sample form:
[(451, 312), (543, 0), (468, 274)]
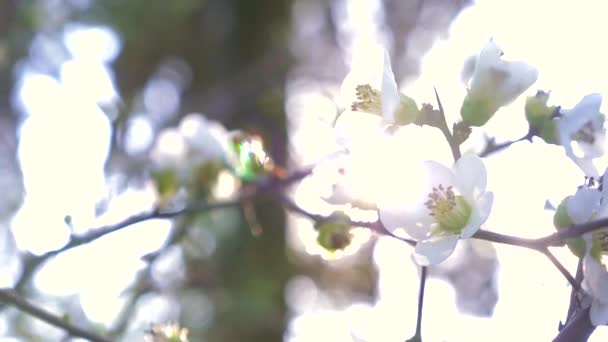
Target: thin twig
[(423, 271), (32, 262), (443, 126), (9, 296), (575, 285), (491, 147), (574, 302)]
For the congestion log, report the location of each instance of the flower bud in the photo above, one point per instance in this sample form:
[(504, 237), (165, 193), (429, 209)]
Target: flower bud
[(537, 111)]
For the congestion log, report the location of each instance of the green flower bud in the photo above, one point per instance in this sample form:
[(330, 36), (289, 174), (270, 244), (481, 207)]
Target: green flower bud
[(334, 233), (561, 220), (477, 109), (537, 111), (252, 160), (407, 111)]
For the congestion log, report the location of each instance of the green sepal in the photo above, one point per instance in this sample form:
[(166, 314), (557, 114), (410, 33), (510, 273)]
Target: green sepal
[(477, 109), (537, 111), (548, 132), (407, 112), (561, 220)]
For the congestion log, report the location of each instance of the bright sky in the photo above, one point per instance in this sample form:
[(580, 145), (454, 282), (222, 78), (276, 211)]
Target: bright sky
[(560, 38)]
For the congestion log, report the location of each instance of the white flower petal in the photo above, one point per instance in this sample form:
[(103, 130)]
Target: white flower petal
[(416, 223), (572, 120), (583, 205), (599, 313), (434, 250), (503, 81), (596, 279), (481, 211), (605, 189), (352, 127), (438, 174), (390, 92), (521, 76), (470, 175)]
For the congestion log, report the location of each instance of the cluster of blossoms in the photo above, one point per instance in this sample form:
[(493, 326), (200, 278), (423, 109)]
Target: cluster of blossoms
[(454, 202), (589, 204)]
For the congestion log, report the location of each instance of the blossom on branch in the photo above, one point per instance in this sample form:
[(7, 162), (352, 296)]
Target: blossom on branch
[(453, 206), (584, 126), (370, 88), (493, 83), (585, 206)]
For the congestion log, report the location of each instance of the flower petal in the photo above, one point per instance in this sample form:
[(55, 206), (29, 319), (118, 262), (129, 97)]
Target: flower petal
[(435, 250), (389, 92), (501, 80), (416, 223), (596, 279), (352, 126), (481, 211), (470, 175), (599, 313), (583, 205), (438, 174)]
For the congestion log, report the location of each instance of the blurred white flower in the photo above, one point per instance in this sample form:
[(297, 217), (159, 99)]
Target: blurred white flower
[(583, 125), (493, 83), (454, 205)]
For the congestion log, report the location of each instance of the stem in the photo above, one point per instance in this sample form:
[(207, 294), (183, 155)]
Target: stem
[(493, 147), (443, 126), (575, 285), (423, 271), (574, 303), (9, 296)]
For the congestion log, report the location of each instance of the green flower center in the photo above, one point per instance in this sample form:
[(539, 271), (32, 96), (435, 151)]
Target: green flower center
[(451, 211), (368, 100)]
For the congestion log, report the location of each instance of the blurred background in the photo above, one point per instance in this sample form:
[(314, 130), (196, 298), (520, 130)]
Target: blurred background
[(101, 102)]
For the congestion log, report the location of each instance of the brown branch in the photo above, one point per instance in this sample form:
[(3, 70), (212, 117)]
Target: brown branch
[(11, 297), (32, 262), (578, 329)]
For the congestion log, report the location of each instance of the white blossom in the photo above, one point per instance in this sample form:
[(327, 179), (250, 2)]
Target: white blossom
[(454, 205), (583, 126)]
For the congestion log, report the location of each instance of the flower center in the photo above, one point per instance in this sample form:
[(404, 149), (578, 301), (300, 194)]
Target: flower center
[(588, 133), (451, 212), (368, 100)]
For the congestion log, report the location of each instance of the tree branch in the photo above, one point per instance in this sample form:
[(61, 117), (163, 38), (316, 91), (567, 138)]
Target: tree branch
[(10, 297)]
